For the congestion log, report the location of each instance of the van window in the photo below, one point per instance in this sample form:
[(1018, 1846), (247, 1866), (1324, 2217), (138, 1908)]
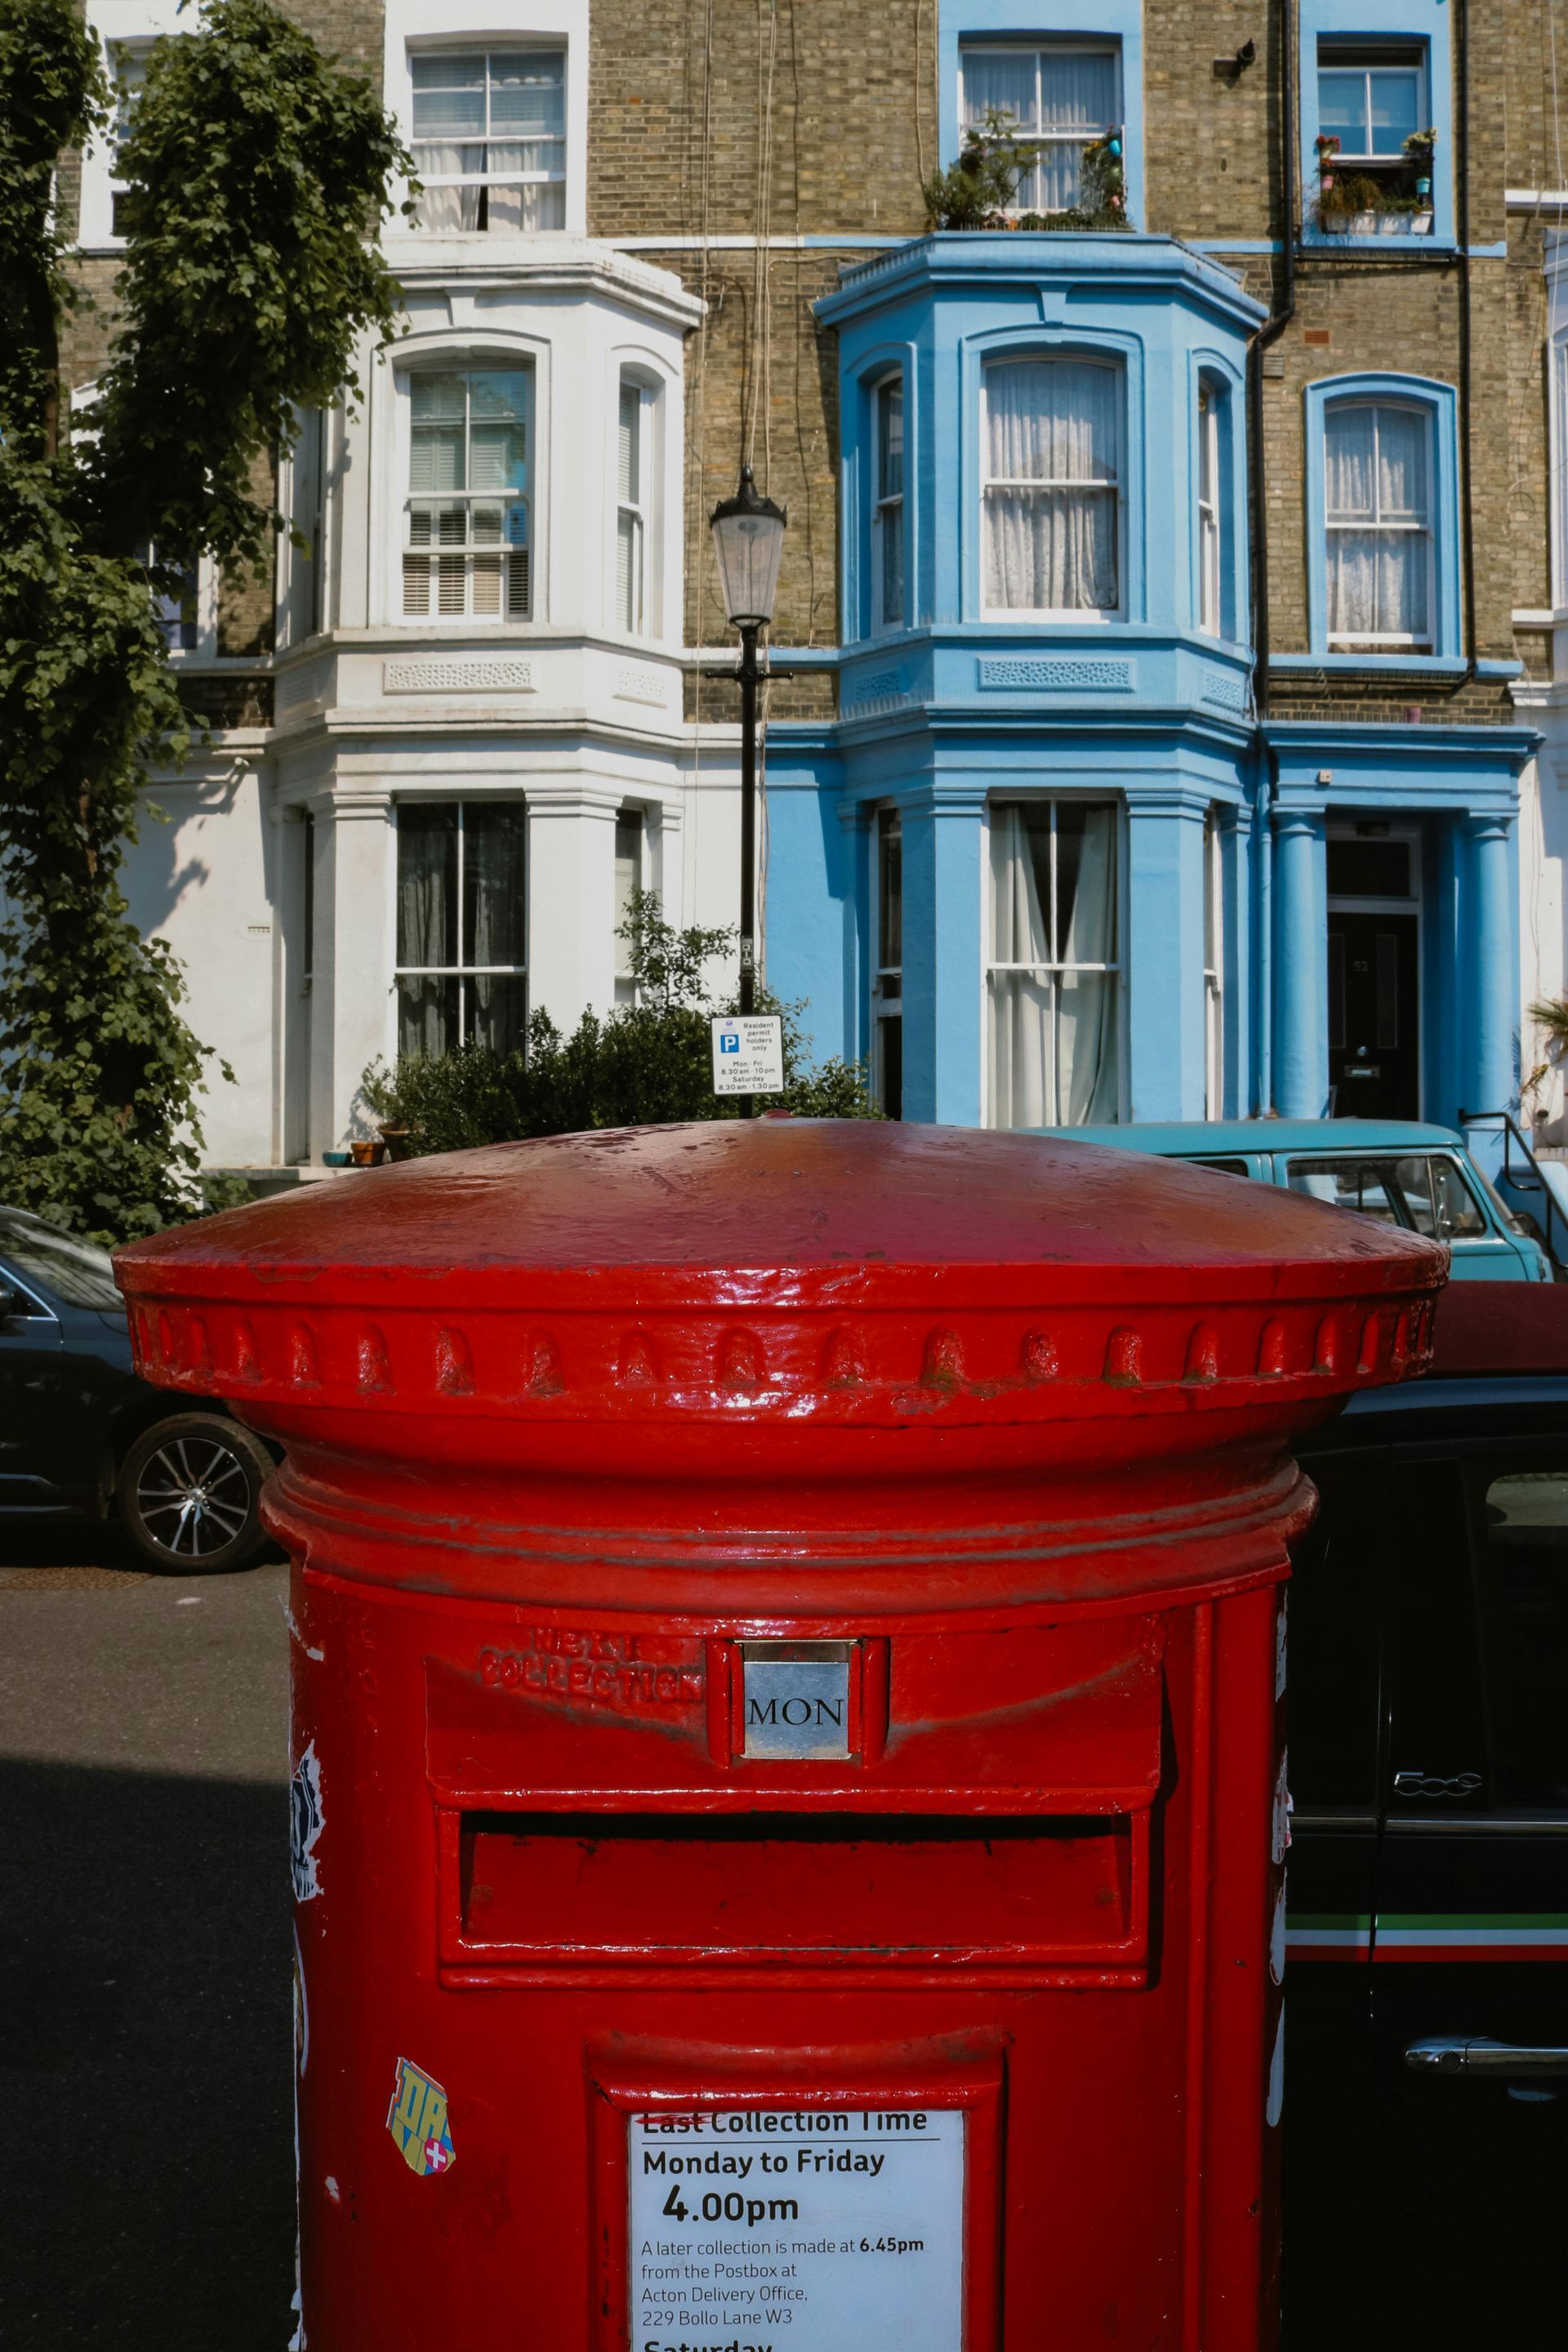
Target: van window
[(1226, 1167), (1368, 1185), (1441, 1203)]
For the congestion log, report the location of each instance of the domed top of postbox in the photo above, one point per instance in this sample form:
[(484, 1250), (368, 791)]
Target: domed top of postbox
[(796, 1269)]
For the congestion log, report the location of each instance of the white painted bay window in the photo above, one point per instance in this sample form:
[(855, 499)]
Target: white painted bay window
[(888, 507), (489, 138), (1052, 439), (630, 863), (467, 540), (1055, 97), (633, 480), (462, 920), (1377, 514), (1052, 984)]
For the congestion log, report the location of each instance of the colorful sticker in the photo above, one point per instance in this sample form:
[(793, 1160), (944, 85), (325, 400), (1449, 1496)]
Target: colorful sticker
[(305, 1824), (418, 2121)]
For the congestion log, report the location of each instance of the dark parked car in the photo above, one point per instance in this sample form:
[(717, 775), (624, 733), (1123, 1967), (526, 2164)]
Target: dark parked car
[(1426, 2037), (79, 1432)]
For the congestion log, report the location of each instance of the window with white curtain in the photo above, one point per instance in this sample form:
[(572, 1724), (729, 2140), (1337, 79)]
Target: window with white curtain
[(489, 138), (887, 506), (630, 844), (1054, 970), (1213, 974), (1377, 508), (127, 74), (632, 439), (888, 988), (1052, 463), (1208, 512), (468, 542), (1055, 96), (462, 924)]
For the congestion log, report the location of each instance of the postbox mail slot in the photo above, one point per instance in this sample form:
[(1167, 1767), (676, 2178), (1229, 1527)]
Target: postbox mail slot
[(555, 1891)]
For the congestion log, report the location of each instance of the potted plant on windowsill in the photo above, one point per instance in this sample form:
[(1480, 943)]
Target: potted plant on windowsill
[(977, 191), (1396, 202)]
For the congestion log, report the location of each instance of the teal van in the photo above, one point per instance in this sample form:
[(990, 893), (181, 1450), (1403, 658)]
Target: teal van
[(1400, 1171)]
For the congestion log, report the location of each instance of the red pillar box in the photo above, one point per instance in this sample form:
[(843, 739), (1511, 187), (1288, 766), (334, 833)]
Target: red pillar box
[(788, 1775)]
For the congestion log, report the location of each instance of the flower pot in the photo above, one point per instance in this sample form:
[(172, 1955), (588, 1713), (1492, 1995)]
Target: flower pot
[(398, 1145), (366, 1155)]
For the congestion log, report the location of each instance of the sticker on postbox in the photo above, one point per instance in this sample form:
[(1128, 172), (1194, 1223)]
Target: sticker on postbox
[(795, 1699), (829, 2229), (748, 1054)]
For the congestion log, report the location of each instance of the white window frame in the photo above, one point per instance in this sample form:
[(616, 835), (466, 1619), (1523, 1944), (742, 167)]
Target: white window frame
[(1210, 610), (1346, 640), (467, 365), (461, 971), (1113, 491), (882, 506), (116, 25), (630, 820), (1379, 59), (1109, 46), (638, 511), (1214, 967), (490, 46), (412, 26), (1055, 969)]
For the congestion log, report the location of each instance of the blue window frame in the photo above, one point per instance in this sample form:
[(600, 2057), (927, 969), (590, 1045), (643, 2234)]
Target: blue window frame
[(887, 533), (1098, 47), (1383, 551), (1374, 72)]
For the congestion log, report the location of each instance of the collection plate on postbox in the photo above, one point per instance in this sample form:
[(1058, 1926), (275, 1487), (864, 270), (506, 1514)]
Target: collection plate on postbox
[(794, 1699)]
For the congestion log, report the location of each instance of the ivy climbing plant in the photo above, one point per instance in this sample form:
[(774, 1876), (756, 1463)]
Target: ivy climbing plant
[(257, 174)]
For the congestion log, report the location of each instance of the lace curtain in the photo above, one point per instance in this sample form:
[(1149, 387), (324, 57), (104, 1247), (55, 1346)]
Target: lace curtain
[(1053, 1028), (1376, 496), (1062, 98), (1057, 423)]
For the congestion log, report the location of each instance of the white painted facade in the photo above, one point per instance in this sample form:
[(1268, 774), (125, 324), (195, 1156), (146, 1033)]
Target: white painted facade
[(569, 712)]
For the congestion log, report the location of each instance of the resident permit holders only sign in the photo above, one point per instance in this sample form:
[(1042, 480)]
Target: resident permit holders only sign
[(748, 1054), (779, 2229)]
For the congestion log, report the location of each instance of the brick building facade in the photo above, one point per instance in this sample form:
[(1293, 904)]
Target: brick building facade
[(1193, 850)]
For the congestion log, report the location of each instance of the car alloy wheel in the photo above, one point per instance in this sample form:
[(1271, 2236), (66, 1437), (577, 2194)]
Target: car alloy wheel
[(189, 1490)]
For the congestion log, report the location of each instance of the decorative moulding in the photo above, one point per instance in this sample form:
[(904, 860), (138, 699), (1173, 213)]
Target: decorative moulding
[(475, 674), (1053, 674), (642, 686)]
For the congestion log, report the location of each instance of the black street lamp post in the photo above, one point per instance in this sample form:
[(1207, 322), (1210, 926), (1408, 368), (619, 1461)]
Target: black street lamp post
[(748, 539)]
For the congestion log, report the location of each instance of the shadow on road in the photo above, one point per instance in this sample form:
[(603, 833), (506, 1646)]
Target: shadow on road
[(145, 2052)]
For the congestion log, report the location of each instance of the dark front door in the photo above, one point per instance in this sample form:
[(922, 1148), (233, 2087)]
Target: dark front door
[(1373, 1024)]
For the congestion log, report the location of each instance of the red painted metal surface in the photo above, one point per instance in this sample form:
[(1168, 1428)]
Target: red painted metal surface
[(580, 1432)]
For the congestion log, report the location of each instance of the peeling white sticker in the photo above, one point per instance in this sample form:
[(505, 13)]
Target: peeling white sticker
[(1275, 2107), (301, 2010), (1281, 1638), (293, 1625), (306, 1821), (1276, 1937), (1279, 1836)]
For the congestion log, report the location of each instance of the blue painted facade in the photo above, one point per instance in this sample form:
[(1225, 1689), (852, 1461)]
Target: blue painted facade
[(1223, 827)]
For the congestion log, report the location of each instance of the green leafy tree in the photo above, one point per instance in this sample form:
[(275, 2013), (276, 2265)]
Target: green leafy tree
[(258, 174), (644, 1065)]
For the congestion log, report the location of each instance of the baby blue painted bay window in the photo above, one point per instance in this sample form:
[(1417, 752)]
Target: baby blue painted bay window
[(1382, 558), (1052, 983), (888, 607), (1051, 492)]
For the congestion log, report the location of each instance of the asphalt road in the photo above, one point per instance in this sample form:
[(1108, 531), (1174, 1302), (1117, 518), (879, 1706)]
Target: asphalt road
[(145, 2033)]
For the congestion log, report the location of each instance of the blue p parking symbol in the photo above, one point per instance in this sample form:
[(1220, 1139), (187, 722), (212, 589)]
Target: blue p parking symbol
[(728, 1041)]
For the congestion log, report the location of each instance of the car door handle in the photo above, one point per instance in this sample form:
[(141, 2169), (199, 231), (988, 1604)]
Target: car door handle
[(1459, 2054)]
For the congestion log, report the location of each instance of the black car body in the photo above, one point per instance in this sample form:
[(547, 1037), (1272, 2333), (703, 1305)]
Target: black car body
[(81, 1433), (1427, 2172)]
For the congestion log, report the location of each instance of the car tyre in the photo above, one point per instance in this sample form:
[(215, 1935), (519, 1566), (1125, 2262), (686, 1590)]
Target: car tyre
[(189, 1491)]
